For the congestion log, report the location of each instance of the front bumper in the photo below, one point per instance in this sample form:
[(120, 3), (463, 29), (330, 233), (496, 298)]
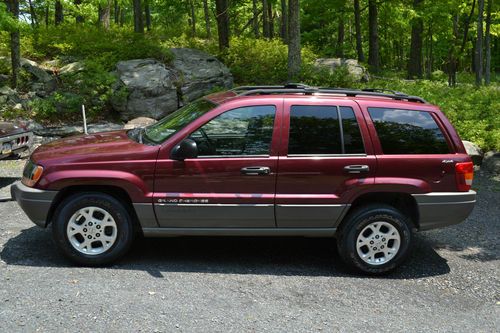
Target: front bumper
[(441, 209), (34, 202)]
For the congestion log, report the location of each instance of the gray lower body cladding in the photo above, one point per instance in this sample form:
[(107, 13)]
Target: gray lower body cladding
[(34, 202), (441, 209)]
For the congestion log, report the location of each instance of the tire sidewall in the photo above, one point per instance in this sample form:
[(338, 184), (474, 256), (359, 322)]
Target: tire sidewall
[(122, 219), (359, 222)]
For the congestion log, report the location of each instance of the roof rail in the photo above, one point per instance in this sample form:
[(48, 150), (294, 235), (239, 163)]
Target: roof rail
[(299, 88)]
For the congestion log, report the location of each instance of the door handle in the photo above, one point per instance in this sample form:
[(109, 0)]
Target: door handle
[(255, 170), (357, 168)]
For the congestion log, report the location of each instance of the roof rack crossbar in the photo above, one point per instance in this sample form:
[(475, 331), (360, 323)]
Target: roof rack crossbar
[(260, 90)]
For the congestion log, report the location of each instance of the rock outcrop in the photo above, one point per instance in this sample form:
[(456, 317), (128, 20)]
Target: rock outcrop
[(357, 71)]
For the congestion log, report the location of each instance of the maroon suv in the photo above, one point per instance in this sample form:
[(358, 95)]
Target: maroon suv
[(363, 166)]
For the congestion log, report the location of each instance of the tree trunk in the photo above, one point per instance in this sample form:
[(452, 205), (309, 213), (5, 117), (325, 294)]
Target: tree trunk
[(294, 58), (147, 11), (15, 48), (47, 15), (116, 13), (373, 50), (487, 45), (78, 18), (478, 58), (138, 24), (255, 19), (105, 15), (58, 16), (340, 39), (206, 12), (192, 18), (270, 18), (265, 19), (415, 59), (221, 8), (452, 58), (122, 17), (430, 55), (34, 20), (357, 23), (284, 22)]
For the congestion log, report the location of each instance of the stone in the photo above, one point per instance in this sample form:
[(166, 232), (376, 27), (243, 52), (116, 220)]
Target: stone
[(199, 73), (145, 88), (68, 130), (139, 122), (474, 152), (491, 162), (357, 71), (4, 79), (72, 68), (37, 71)]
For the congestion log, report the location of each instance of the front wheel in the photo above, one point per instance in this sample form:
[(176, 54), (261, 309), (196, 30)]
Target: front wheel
[(92, 229), (374, 239)]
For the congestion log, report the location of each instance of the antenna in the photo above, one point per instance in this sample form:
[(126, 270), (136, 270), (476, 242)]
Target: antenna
[(84, 120)]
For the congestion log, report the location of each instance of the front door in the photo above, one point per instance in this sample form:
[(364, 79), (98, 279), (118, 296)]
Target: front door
[(322, 161), (232, 182)]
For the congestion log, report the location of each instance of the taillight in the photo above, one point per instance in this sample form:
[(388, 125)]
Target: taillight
[(465, 174)]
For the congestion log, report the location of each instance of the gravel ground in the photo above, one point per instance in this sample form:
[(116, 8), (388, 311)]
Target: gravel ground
[(449, 284)]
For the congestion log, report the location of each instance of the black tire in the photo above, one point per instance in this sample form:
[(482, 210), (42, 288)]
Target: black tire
[(122, 218), (354, 224)]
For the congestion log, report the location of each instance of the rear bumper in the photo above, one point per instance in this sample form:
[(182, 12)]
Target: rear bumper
[(34, 202), (441, 209)]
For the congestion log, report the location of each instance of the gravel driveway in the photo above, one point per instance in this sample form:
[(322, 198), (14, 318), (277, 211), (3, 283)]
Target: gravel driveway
[(449, 284)]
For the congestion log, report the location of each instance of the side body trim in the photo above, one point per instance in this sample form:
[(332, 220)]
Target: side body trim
[(146, 215), (308, 216), (172, 232)]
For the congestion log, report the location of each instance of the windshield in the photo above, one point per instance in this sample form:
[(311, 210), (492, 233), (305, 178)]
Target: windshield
[(177, 120)]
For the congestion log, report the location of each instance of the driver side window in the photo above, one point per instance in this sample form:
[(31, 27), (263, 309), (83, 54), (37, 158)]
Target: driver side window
[(238, 132)]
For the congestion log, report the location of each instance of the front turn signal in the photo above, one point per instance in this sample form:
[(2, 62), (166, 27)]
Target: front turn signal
[(32, 174)]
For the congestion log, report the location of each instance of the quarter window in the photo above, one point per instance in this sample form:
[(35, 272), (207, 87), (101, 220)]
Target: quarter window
[(242, 131), (316, 130), (408, 132)]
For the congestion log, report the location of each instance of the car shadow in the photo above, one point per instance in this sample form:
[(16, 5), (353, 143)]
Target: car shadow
[(5, 183), (224, 255)]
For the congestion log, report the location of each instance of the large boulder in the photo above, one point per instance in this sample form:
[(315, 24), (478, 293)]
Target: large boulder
[(357, 71), (43, 82), (474, 152), (146, 88), (491, 162), (149, 88), (199, 73), (139, 122)]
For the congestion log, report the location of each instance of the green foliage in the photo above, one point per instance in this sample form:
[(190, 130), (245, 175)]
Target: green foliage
[(90, 42)]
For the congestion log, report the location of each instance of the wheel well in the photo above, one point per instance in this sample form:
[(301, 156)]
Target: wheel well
[(403, 202), (114, 191)]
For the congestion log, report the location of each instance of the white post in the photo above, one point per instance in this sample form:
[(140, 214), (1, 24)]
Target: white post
[(84, 120)]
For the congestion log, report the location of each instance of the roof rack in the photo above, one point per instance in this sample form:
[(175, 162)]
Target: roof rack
[(299, 88)]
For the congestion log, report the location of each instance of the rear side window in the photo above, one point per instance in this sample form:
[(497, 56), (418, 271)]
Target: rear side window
[(317, 130), (408, 132)]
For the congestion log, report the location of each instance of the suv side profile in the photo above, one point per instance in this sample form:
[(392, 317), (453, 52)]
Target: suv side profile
[(364, 166)]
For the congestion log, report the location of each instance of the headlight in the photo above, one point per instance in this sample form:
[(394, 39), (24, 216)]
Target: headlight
[(31, 173)]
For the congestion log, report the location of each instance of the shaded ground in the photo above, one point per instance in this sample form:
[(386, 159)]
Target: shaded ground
[(450, 283)]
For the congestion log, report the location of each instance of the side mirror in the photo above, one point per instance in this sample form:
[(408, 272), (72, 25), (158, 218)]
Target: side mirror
[(186, 149)]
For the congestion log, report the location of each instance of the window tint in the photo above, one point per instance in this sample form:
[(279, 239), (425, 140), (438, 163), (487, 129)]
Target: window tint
[(243, 131), (353, 141), (314, 130), (408, 132)]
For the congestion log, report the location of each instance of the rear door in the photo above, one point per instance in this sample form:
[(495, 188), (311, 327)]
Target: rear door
[(323, 157), (412, 147), (232, 182)]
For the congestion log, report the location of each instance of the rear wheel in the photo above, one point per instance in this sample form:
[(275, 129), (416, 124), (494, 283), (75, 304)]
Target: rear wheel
[(92, 228), (374, 239)]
